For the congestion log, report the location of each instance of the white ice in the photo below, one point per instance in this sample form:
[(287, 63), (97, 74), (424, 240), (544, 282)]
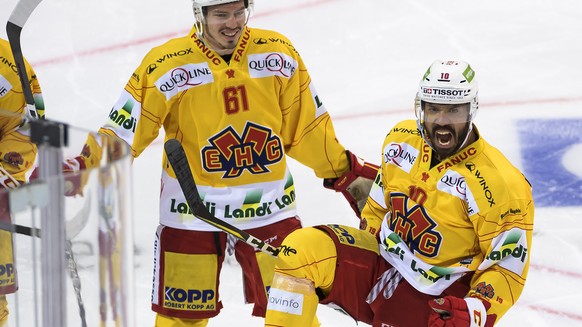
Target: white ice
[(366, 58)]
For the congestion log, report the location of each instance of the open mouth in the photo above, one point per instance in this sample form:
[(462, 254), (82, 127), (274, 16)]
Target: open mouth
[(444, 138)]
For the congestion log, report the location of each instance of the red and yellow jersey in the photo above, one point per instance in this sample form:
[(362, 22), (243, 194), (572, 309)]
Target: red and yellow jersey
[(473, 211), (17, 153), (237, 122)]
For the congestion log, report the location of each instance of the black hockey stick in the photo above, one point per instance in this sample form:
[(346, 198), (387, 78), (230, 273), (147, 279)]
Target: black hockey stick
[(18, 18), (16, 21), (179, 162), (73, 226)]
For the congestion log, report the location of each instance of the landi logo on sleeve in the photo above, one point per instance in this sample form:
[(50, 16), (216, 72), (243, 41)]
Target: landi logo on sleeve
[(184, 77), (272, 64), (284, 301)]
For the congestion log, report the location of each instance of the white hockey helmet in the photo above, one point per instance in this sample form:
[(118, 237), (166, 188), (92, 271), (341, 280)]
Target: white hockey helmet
[(447, 82), (199, 5)]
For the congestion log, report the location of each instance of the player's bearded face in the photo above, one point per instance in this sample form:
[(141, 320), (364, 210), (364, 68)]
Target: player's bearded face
[(446, 126), (224, 26)]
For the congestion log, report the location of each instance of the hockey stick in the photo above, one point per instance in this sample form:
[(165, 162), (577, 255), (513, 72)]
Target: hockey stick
[(73, 226), (108, 244), (179, 162), (18, 18), (74, 273)]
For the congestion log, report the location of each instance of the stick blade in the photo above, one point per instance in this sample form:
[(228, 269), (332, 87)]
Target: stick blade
[(22, 11)]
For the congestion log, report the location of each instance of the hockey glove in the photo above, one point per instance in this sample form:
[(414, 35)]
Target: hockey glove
[(355, 184), (452, 311), (72, 170)]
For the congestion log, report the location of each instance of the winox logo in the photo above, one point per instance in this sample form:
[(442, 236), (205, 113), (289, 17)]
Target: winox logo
[(232, 154)]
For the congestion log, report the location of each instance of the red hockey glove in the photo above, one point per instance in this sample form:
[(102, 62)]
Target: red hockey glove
[(72, 170), (355, 184), (452, 311)]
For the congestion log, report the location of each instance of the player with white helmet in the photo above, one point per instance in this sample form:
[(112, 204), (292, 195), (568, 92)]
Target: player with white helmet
[(451, 85), (200, 12), (448, 227), (240, 100)]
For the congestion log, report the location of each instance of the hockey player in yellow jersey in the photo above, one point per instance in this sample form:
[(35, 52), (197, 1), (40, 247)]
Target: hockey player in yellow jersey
[(17, 157), (449, 225), (240, 100)]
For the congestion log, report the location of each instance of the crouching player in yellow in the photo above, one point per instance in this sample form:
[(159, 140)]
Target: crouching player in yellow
[(445, 234)]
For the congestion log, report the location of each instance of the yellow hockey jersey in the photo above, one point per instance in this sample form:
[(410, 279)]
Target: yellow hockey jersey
[(472, 212), (237, 121), (17, 153)]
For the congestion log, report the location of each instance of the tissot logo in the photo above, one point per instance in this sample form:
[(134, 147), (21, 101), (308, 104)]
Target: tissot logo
[(253, 150)]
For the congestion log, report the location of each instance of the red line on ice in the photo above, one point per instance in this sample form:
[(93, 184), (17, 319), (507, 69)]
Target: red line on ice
[(156, 38), (572, 316), (116, 47)]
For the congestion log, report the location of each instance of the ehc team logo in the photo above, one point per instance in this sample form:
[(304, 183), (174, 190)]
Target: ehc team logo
[(232, 154)]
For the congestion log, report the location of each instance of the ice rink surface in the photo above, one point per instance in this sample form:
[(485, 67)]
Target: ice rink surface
[(366, 58)]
